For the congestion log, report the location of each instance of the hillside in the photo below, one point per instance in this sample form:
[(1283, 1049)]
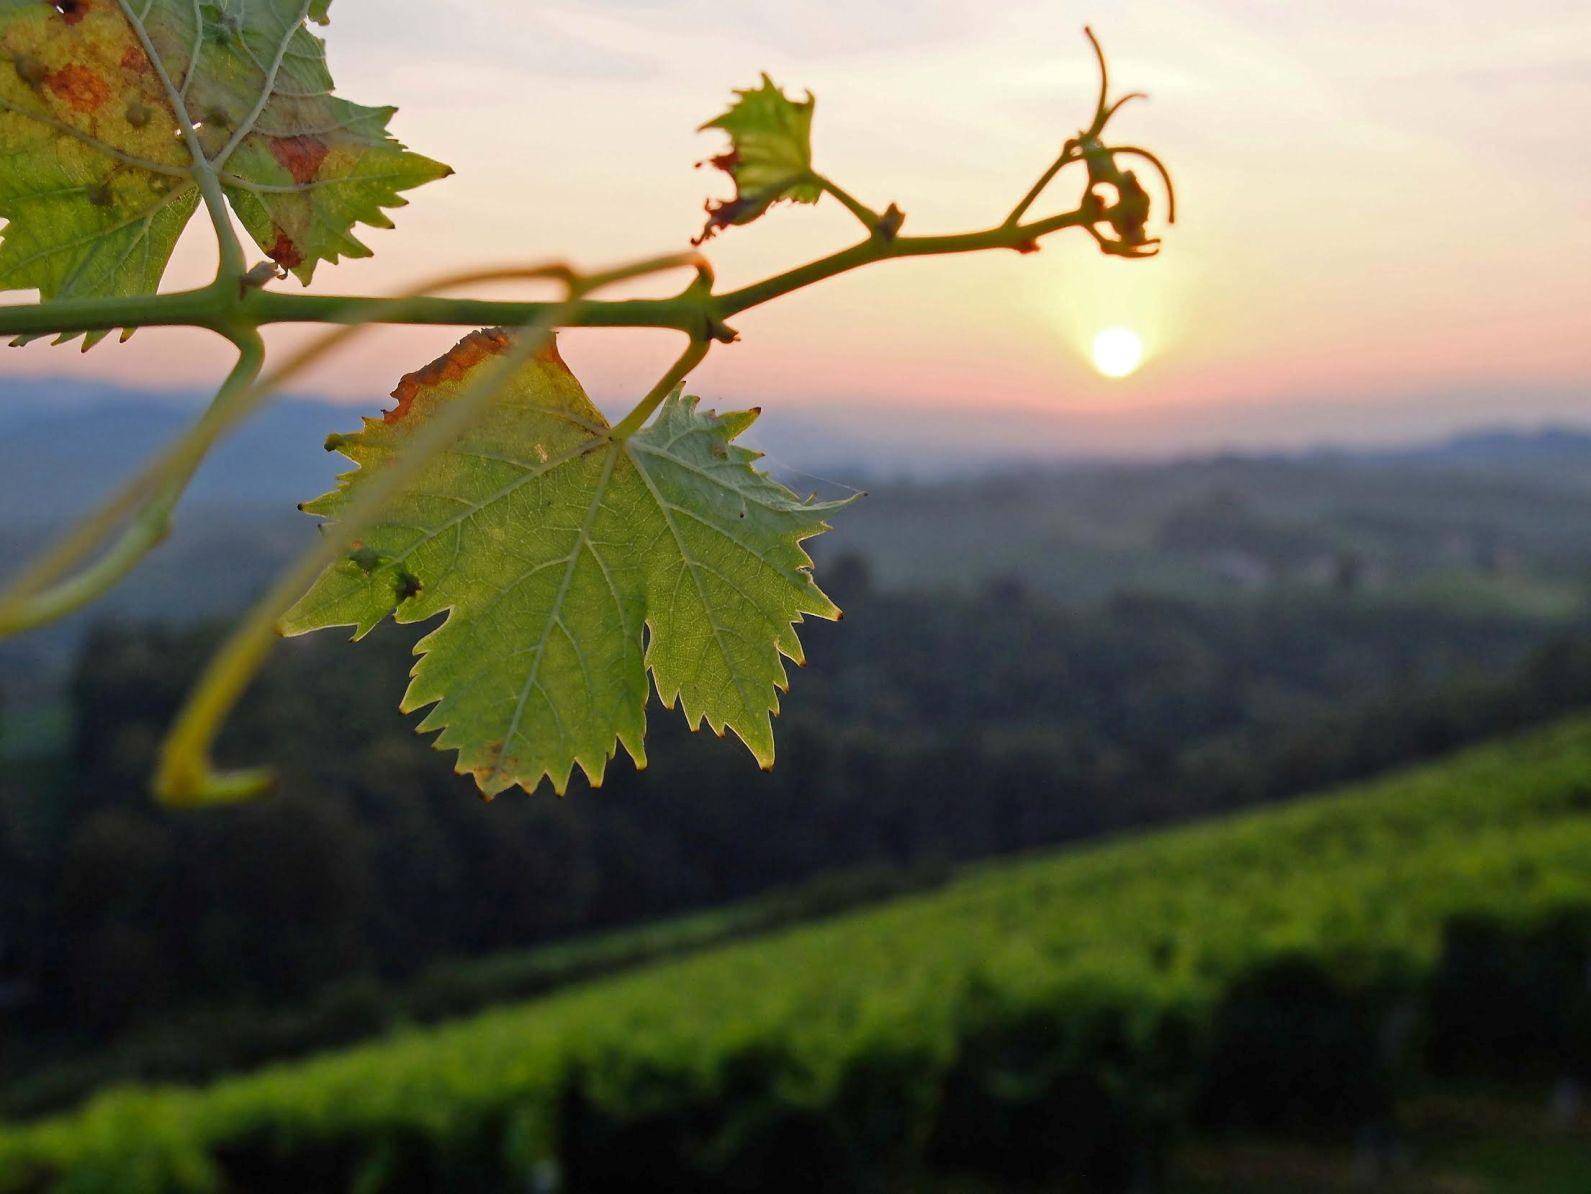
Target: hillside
[(1069, 1015), (1490, 521)]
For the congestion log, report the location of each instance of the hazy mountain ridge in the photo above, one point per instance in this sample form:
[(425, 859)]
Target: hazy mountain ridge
[(56, 460), (83, 434), (1507, 507)]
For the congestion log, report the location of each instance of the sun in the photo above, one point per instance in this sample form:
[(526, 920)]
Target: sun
[(1118, 351)]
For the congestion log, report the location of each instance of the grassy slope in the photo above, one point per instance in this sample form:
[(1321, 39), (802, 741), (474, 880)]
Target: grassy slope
[(1366, 876), (219, 1040)]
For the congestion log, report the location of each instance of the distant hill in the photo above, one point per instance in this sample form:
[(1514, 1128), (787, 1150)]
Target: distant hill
[(1497, 447), (62, 449), (1414, 525), (1510, 507), (1549, 454), (63, 441), (55, 460)]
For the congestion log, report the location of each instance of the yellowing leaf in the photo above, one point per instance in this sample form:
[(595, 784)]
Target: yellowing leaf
[(94, 185), (300, 166), (770, 155), (571, 563), (97, 181)]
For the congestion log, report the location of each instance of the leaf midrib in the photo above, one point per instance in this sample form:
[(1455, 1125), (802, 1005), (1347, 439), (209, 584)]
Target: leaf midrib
[(247, 126), (664, 509), (582, 542)]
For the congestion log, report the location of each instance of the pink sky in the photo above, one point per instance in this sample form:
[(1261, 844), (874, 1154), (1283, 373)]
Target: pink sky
[(1386, 203)]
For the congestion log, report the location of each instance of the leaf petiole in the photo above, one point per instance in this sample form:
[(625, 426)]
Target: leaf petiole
[(636, 419), (868, 218)]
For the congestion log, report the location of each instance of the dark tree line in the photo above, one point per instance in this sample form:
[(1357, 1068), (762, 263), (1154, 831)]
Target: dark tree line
[(925, 729)]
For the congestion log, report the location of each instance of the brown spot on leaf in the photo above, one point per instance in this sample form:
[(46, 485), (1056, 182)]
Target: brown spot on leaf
[(284, 252), (300, 156), (30, 70), (78, 87), (486, 773), (406, 585), (450, 366), (549, 354), (366, 559), (72, 11), (135, 61)]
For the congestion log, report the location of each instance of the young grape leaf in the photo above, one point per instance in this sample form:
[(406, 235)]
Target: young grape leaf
[(770, 155), (570, 563), (98, 181)]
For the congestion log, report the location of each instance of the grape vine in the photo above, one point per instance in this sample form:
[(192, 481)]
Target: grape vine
[(573, 565)]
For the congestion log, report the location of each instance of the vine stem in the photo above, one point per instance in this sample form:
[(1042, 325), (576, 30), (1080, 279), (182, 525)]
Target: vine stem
[(636, 419), (868, 218), (691, 312), (1067, 156), (1021, 237)]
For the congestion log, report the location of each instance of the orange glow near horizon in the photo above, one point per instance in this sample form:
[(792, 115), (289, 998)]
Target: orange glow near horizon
[(1373, 200)]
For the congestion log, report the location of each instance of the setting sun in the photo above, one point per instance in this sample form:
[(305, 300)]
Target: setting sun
[(1118, 351)]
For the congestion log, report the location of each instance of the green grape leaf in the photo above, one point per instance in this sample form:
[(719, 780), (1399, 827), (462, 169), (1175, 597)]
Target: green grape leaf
[(769, 156), (97, 183), (570, 564)]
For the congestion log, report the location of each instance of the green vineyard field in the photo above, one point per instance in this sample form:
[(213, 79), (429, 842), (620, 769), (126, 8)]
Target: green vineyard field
[(1069, 1016)]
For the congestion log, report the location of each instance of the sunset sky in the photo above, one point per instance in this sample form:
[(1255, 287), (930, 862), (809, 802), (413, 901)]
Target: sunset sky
[(1385, 208)]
